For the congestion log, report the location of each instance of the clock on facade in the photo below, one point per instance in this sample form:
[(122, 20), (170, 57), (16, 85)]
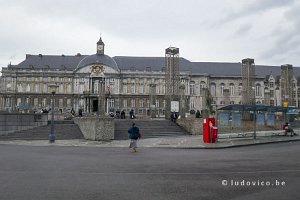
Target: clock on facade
[(100, 47)]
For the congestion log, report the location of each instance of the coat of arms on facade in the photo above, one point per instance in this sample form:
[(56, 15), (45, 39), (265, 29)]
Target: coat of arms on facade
[(97, 70)]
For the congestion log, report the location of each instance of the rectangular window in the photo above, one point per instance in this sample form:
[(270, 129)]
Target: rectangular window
[(81, 88), (124, 88), (69, 88), (157, 103), (192, 88), (272, 93), (132, 88), (192, 103), (45, 88), (69, 103), (61, 103), (19, 101), (141, 88), (61, 88), (125, 103), (157, 87), (141, 103), (36, 88), (111, 103), (132, 103), (44, 102), (35, 102), (202, 89)]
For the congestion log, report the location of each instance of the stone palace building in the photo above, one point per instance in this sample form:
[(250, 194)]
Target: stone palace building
[(127, 83)]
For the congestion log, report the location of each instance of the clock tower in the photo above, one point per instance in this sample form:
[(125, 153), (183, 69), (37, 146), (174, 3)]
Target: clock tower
[(100, 46)]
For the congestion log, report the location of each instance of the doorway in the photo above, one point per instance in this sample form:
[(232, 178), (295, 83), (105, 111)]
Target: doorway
[(95, 105)]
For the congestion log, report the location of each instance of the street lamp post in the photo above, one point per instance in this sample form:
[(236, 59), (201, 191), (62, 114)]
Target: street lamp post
[(182, 101), (254, 114), (53, 91)]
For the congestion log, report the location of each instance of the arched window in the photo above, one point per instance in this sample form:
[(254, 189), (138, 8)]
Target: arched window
[(222, 87), (202, 88), (213, 89), (28, 88), (231, 89), (20, 88), (240, 89), (258, 90), (61, 88), (192, 87), (36, 88), (69, 88)]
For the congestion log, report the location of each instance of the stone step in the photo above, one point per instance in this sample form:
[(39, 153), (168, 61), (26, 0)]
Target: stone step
[(62, 132), (148, 128)]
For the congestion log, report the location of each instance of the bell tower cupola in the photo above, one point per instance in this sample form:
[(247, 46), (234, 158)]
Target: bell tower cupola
[(100, 46)]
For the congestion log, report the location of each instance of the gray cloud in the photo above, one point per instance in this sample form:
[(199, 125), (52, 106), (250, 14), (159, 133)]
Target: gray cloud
[(253, 8), (286, 38), (203, 30)]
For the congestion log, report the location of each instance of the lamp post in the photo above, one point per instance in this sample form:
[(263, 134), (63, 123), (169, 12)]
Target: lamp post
[(182, 100), (254, 114), (101, 97), (53, 91)]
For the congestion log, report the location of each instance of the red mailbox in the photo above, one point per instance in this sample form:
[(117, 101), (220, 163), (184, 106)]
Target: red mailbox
[(208, 123)]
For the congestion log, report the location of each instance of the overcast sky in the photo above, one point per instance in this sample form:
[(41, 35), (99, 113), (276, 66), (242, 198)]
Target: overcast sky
[(204, 30)]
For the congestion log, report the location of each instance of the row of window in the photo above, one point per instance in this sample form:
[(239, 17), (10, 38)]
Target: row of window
[(42, 102), (142, 103), (231, 91), (45, 79), (43, 88)]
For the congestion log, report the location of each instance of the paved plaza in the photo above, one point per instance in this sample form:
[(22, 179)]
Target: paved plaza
[(51, 172)]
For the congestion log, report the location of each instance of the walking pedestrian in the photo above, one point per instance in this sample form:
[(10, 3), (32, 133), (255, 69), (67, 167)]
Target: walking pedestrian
[(134, 135), (123, 114)]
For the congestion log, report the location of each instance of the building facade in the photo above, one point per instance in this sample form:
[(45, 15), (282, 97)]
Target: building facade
[(99, 83)]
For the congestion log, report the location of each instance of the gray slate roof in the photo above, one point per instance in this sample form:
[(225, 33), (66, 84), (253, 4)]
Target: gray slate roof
[(51, 61), (141, 63)]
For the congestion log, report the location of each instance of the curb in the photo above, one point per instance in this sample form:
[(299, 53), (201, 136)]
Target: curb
[(236, 146)]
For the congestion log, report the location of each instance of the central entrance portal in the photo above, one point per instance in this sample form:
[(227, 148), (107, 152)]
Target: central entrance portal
[(95, 105)]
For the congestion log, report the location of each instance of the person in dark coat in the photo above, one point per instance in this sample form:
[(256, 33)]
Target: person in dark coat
[(131, 113), (198, 114), (72, 112), (134, 134), (80, 112), (123, 114), (173, 116)]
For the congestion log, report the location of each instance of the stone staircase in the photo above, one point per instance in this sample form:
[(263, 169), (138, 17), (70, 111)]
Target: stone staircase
[(64, 130), (148, 128)]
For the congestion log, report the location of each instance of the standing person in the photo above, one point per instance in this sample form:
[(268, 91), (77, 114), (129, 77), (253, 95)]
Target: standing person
[(80, 112), (131, 113), (123, 114), (198, 114), (134, 135), (72, 112), (173, 117)]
